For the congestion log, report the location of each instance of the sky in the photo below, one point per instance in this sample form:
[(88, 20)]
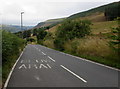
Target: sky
[(36, 11)]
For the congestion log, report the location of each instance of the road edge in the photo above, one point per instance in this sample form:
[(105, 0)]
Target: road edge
[(8, 78), (84, 59)]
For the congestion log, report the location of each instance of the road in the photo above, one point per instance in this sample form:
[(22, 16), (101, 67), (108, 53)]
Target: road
[(39, 66)]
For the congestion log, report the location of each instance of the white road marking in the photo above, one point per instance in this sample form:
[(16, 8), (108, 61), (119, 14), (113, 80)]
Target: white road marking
[(21, 61), (23, 66), (6, 83), (41, 60), (51, 58), (36, 61), (43, 66), (43, 53), (73, 73), (91, 61), (29, 66), (44, 61), (49, 66), (35, 66), (36, 77), (29, 61), (86, 60)]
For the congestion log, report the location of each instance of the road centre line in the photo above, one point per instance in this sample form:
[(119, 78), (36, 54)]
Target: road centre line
[(73, 73), (40, 51), (43, 53), (51, 59)]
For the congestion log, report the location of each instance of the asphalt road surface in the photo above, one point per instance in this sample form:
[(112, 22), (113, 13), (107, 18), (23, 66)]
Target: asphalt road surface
[(39, 66)]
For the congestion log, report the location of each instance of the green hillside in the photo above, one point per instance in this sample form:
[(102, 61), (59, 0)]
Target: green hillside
[(100, 9), (50, 23)]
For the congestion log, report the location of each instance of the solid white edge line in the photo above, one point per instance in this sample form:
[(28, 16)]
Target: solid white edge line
[(6, 83), (51, 59), (73, 73), (91, 61), (86, 60)]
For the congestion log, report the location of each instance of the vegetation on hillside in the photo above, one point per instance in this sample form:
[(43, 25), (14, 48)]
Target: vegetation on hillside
[(115, 42), (94, 10), (93, 46), (35, 35), (41, 35), (11, 48), (112, 12), (49, 23), (69, 30)]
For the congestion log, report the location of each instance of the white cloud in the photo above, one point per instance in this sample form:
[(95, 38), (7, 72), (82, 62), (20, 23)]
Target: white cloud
[(41, 10)]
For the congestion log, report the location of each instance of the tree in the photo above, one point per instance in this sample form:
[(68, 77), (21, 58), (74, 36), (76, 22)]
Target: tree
[(71, 29), (26, 33), (35, 31), (41, 35), (112, 12)]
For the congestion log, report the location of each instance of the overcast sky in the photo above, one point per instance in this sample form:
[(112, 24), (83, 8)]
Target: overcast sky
[(40, 10)]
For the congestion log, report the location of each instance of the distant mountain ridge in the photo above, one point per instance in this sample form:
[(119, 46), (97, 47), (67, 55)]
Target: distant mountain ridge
[(50, 22), (14, 28)]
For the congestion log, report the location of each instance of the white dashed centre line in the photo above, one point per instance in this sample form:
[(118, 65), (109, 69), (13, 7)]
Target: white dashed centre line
[(73, 73), (43, 53), (51, 59)]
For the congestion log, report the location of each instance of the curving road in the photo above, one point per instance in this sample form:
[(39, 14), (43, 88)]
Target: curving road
[(39, 66)]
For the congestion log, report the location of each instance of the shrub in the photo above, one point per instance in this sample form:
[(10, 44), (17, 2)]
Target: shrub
[(30, 39), (41, 35), (69, 30), (11, 45), (11, 48)]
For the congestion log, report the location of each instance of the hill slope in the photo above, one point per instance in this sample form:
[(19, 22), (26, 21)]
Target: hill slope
[(51, 22), (100, 9)]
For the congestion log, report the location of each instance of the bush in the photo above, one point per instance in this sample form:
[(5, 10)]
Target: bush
[(41, 35), (69, 30), (11, 48), (10, 45), (30, 39)]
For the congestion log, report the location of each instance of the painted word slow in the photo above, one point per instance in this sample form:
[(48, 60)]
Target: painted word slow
[(36, 66)]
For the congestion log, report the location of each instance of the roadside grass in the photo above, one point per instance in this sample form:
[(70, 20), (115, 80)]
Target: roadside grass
[(8, 66), (94, 47), (49, 43)]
